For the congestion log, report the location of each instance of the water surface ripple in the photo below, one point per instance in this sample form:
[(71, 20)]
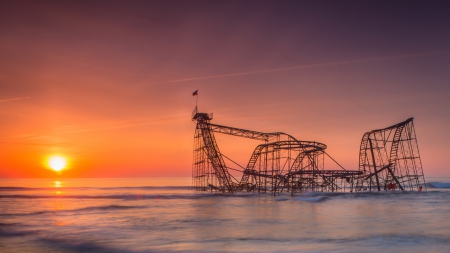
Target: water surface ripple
[(130, 216)]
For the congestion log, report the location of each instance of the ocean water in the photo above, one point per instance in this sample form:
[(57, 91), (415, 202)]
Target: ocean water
[(165, 215)]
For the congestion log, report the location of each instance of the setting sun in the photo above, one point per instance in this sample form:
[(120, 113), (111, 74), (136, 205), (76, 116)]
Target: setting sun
[(57, 163)]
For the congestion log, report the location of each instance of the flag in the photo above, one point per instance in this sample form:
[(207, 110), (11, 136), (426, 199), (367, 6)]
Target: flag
[(195, 93)]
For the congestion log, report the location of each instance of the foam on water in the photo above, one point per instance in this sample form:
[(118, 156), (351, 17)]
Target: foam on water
[(311, 199)]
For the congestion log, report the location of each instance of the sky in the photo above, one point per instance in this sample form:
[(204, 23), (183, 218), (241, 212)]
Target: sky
[(108, 84)]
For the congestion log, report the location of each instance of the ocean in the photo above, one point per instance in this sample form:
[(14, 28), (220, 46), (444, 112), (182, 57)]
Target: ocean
[(165, 215)]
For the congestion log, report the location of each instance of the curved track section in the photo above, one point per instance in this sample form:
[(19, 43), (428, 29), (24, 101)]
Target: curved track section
[(389, 159), (281, 164)]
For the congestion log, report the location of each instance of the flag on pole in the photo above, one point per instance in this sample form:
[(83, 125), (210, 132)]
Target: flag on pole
[(195, 93)]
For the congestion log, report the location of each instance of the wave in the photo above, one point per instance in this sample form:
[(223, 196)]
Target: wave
[(315, 197), (438, 185), (305, 197), (8, 224), (91, 208), (355, 243), (407, 240), (17, 232), (84, 246), (312, 199)]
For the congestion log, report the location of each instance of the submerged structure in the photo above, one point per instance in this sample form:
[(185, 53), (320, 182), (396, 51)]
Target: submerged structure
[(281, 163), (390, 158)]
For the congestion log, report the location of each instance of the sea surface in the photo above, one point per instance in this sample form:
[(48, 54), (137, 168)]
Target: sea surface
[(165, 215)]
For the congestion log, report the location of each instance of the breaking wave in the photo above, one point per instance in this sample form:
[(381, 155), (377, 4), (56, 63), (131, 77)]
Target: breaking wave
[(311, 199), (438, 185)]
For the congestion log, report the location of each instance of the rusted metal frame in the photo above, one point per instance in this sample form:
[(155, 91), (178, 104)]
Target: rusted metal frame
[(405, 143), (386, 139), (330, 173), (265, 169), (405, 169), (416, 156), (273, 161), (216, 159), (363, 159), (373, 174), (198, 173), (273, 151), (251, 163), (394, 151), (287, 162), (288, 158), (330, 181), (395, 178), (374, 165), (393, 126), (409, 134), (334, 160), (383, 157), (242, 132), (418, 152)]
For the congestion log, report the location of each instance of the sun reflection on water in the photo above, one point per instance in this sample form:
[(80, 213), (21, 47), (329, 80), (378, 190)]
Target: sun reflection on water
[(57, 184)]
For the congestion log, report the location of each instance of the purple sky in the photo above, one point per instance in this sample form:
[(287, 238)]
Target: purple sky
[(108, 84)]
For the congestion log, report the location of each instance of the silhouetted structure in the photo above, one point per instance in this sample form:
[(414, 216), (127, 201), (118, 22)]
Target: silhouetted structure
[(389, 158), (280, 164)]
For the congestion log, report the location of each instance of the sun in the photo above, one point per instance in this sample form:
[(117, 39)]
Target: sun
[(57, 163)]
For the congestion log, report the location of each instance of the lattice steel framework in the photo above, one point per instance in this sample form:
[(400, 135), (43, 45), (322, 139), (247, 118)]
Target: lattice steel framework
[(389, 157), (281, 164)]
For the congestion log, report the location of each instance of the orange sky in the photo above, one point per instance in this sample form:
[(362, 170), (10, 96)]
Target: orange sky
[(108, 84)]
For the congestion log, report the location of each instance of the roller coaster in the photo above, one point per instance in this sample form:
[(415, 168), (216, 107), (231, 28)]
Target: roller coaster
[(390, 157), (281, 163)]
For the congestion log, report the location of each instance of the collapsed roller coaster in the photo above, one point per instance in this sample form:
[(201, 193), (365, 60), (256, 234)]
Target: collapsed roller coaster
[(389, 157), (284, 164)]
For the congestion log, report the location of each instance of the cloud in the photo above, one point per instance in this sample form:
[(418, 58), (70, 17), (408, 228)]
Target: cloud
[(12, 99), (383, 58)]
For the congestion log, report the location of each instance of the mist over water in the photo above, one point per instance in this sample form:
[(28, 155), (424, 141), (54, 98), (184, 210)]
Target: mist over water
[(157, 215)]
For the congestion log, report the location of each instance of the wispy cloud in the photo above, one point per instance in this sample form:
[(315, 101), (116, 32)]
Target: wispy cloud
[(12, 99), (306, 66), (116, 124), (41, 138), (34, 143)]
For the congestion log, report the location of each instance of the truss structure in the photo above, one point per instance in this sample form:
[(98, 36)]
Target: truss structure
[(389, 159), (280, 164)]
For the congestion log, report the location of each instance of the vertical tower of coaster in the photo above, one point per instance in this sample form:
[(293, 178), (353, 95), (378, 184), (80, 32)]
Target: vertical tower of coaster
[(389, 158), (209, 169)]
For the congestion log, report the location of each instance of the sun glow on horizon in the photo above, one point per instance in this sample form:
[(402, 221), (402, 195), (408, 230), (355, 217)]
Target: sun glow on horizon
[(57, 163)]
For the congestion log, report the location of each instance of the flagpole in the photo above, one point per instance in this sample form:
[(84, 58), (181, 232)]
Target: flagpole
[(196, 99)]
